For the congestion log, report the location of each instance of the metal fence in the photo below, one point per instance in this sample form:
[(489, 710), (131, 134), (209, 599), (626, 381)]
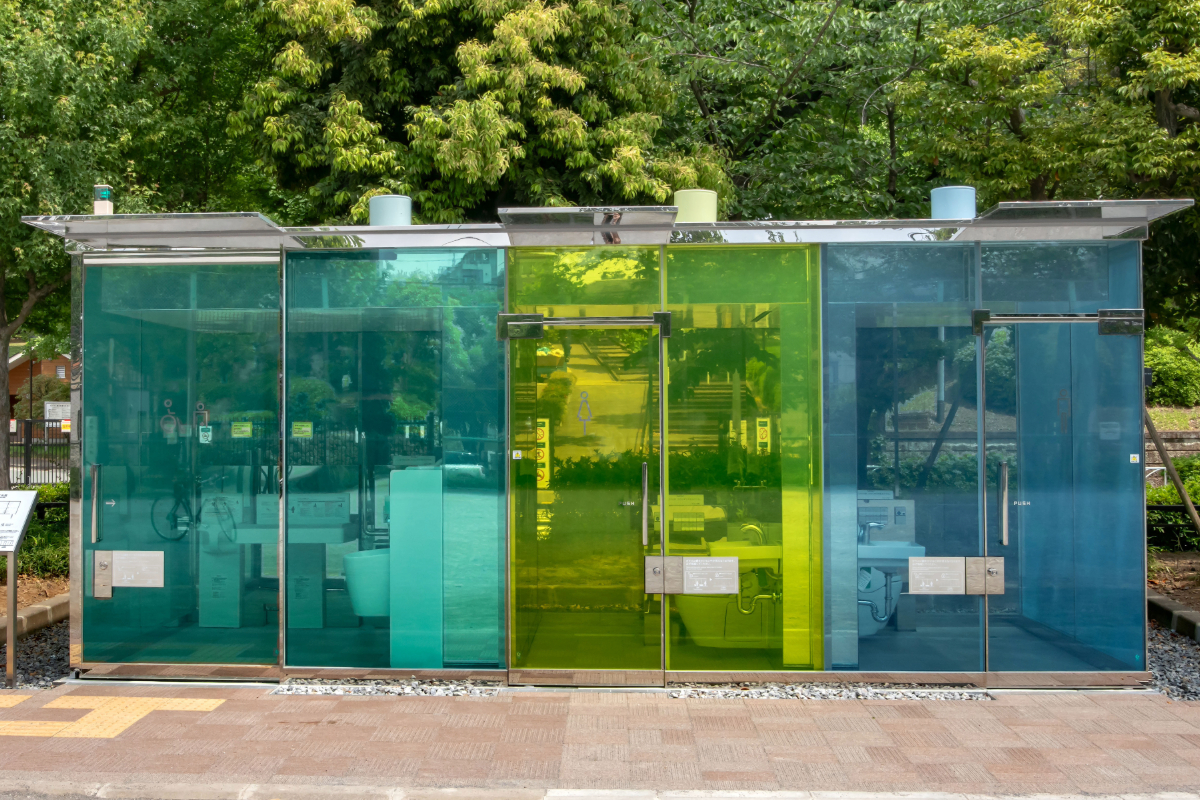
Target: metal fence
[(39, 451)]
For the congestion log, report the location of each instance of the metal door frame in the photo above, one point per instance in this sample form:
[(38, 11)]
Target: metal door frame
[(532, 326), (1111, 322)]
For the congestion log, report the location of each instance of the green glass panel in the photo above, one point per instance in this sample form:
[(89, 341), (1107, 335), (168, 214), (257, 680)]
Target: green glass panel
[(743, 460), (180, 407), (585, 420), (584, 281), (395, 469)]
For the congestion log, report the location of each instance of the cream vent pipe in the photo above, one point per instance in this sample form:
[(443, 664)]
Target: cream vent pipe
[(696, 205)]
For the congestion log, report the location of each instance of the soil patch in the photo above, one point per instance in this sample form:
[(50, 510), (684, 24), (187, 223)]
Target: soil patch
[(1177, 575), (31, 590)]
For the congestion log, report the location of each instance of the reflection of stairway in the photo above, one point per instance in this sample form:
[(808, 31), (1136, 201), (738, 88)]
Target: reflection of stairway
[(696, 420), (612, 356)]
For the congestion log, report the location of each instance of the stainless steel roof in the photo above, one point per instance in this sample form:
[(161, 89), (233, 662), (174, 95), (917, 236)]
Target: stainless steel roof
[(1072, 220)]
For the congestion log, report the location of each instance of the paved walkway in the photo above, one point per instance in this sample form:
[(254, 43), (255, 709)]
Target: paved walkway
[(109, 740)]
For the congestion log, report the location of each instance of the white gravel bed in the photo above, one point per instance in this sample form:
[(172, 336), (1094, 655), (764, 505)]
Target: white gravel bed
[(1175, 663), (42, 657), (410, 687), (826, 691)]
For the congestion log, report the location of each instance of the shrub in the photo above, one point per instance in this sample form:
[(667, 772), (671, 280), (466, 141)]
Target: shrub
[(1179, 538), (45, 553), (1176, 376)]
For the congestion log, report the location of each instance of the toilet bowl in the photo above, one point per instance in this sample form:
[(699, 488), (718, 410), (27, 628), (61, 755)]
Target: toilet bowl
[(368, 581)]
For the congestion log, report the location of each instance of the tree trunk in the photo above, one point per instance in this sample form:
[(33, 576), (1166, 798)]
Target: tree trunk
[(1164, 112), (6, 408)]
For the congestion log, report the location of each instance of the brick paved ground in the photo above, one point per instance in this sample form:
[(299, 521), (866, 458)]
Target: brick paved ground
[(1063, 743)]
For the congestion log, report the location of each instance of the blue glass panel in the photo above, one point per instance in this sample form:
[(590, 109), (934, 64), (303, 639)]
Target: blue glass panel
[(901, 423)]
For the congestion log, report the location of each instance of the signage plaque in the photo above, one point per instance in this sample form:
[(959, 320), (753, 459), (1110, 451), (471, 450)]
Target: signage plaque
[(937, 575)]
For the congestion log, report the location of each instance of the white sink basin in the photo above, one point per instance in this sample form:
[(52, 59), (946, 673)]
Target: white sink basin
[(884, 555)]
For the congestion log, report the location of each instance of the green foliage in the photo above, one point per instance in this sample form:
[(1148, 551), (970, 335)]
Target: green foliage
[(555, 395), (45, 553), (406, 408), (1176, 369), (464, 104), (45, 387)]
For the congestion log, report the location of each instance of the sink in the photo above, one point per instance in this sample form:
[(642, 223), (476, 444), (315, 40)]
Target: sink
[(888, 555), (749, 556)]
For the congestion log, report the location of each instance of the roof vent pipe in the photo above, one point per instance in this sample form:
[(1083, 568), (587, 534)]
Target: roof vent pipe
[(696, 205), (102, 204), (390, 210), (952, 202)]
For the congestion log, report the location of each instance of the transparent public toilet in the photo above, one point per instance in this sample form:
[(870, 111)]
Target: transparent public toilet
[(600, 446)]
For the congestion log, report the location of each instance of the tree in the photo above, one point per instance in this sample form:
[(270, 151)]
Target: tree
[(65, 107), (465, 105)]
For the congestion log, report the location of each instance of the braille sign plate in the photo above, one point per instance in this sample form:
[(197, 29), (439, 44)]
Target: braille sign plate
[(710, 576), (16, 509), (937, 576)]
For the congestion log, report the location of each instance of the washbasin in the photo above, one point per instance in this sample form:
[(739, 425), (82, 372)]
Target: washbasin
[(749, 555), (888, 554)]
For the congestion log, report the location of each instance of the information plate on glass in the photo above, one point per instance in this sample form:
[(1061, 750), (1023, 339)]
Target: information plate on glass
[(710, 576), (16, 509), (937, 575), (141, 569)]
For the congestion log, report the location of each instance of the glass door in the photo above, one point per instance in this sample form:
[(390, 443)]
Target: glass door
[(584, 477), (1064, 539)]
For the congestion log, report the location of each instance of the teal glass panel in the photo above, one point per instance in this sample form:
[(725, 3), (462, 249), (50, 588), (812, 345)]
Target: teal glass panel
[(901, 454), (395, 471), (180, 420)]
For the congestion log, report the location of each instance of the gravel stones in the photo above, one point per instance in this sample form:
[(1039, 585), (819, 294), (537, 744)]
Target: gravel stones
[(1175, 663), (366, 687), (827, 691), (42, 656)]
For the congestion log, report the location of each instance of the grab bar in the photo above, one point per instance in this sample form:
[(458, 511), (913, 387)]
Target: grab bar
[(95, 469), (645, 504), (1004, 503)]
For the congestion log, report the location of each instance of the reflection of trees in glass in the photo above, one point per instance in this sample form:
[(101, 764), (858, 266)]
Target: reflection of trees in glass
[(1000, 371), (894, 365), (612, 275), (753, 353)]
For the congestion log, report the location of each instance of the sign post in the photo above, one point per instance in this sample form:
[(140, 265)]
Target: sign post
[(16, 509)]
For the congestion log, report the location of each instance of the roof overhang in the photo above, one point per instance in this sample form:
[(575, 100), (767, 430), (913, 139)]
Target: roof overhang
[(1058, 221)]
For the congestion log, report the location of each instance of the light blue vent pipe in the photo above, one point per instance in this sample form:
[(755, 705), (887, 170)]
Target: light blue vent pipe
[(952, 202), (391, 209)]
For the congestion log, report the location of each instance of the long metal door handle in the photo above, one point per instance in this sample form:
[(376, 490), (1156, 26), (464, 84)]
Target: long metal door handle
[(95, 468), (1004, 503), (645, 504)]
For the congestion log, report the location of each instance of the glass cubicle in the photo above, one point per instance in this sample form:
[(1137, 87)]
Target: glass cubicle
[(913, 421), (741, 457), (180, 442), (394, 465)]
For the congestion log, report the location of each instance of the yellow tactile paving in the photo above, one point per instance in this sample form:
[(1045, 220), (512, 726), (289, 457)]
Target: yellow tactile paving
[(10, 700), (14, 728), (107, 717)]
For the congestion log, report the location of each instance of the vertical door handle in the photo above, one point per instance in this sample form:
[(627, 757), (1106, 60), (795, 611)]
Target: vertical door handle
[(1004, 503), (645, 504), (95, 468)]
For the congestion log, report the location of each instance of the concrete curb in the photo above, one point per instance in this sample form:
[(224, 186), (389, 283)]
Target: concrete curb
[(1173, 616), (39, 615)]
